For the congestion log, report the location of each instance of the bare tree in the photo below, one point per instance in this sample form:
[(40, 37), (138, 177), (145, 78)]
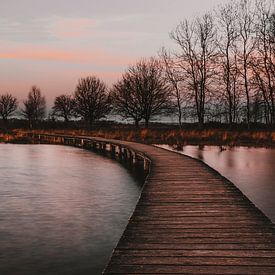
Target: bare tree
[(264, 60), (247, 43), (126, 102), (257, 112), (8, 106), (64, 107), (227, 27), (143, 93), (175, 77), (34, 108), (197, 41), (92, 101)]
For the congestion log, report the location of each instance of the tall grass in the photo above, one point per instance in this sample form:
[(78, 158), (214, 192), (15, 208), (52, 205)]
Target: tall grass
[(175, 136)]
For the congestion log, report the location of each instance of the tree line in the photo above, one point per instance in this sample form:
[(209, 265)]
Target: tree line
[(222, 69), (224, 65), (141, 94)]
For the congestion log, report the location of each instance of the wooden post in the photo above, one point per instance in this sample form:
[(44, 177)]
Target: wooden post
[(103, 147), (134, 160), (125, 153), (94, 145), (146, 164), (113, 149), (120, 151), (108, 147)]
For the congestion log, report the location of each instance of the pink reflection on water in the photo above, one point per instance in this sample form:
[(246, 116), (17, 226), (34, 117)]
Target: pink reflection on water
[(63, 209)]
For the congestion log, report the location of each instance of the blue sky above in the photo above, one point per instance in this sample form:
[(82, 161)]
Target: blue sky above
[(54, 43)]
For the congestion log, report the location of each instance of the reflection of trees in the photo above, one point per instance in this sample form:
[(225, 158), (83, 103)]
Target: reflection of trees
[(200, 152), (230, 159)]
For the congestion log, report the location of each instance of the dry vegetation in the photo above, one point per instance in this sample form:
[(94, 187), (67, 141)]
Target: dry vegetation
[(165, 135)]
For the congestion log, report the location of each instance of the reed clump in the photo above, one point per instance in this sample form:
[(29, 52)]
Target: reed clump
[(163, 135), (173, 136)]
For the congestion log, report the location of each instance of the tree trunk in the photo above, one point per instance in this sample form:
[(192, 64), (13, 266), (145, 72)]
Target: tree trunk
[(91, 123), (136, 123), (201, 120), (180, 112), (180, 122), (146, 123), (30, 124)]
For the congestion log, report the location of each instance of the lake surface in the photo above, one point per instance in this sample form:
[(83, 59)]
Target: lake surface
[(63, 209), (252, 170)]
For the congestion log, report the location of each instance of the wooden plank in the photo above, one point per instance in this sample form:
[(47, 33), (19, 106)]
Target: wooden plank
[(215, 235), (192, 246), (197, 253), (189, 269), (209, 231), (198, 220), (199, 240), (175, 260)]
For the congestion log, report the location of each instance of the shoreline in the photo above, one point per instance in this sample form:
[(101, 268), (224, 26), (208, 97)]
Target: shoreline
[(178, 138)]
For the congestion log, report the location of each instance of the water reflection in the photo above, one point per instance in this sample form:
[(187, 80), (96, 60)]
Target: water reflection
[(251, 169), (62, 209)]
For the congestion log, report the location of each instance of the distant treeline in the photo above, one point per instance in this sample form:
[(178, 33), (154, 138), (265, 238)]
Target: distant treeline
[(222, 71)]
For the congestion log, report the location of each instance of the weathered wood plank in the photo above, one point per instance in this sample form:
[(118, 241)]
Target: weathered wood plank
[(189, 269), (198, 240), (198, 253), (174, 260), (218, 246)]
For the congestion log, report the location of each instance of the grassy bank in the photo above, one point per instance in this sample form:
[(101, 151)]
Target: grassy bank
[(165, 135), (14, 136)]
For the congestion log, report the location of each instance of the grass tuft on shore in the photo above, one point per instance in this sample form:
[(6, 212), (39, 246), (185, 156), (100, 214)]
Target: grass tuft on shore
[(172, 136)]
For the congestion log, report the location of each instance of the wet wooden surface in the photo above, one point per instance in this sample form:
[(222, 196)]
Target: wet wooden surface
[(191, 220)]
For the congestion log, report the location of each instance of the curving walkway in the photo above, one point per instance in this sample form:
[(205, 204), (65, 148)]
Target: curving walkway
[(190, 220)]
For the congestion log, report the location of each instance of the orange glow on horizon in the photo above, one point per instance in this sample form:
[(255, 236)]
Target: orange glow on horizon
[(95, 57)]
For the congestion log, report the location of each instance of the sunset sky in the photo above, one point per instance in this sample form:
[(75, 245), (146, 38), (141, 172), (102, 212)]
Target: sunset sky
[(55, 42)]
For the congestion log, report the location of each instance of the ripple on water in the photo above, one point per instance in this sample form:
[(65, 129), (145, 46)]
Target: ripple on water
[(63, 209)]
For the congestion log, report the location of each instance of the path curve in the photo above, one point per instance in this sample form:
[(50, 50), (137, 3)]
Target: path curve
[(191, 220)]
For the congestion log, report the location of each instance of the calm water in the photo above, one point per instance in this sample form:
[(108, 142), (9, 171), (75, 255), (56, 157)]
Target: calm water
[(252, 170), (63, 209)]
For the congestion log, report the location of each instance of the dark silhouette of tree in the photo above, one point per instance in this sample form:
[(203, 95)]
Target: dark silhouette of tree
[(264, 61), (64, 107), (142, 93), (175, 78), (197, 57), (125, 101), (34, 108), (247, 41), (227, 37), (92, 101), (8, 106)]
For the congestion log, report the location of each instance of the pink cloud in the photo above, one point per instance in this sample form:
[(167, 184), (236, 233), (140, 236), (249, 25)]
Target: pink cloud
[(72, 27), (94, 57)]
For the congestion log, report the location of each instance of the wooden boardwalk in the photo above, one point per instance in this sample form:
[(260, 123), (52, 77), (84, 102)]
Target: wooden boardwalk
[(191, 220)]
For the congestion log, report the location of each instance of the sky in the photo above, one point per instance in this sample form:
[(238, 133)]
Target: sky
[(53, 43)]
